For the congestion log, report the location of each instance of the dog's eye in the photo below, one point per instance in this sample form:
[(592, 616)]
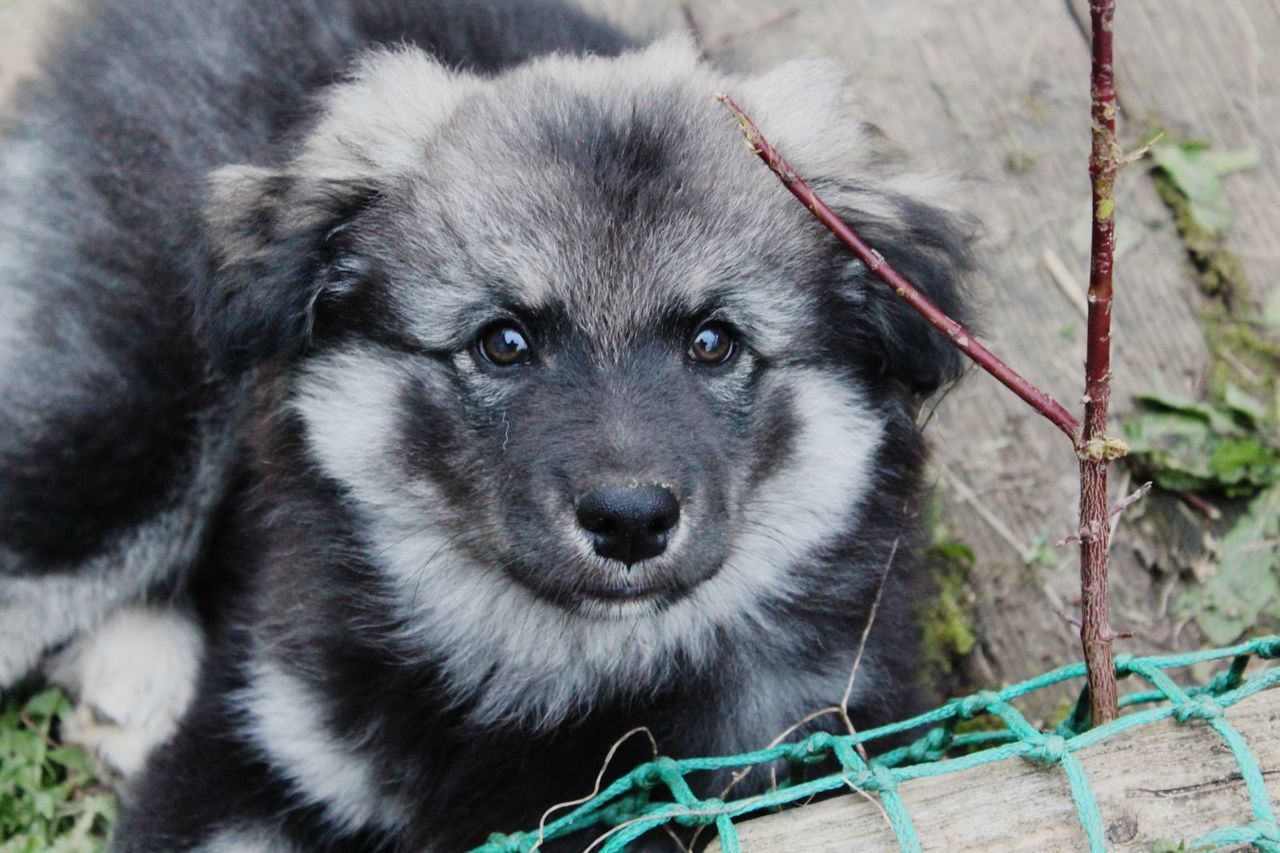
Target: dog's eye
[(504, 344), (712, 344)]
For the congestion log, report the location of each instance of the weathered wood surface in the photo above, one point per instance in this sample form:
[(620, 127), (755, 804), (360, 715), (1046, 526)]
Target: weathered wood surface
[(998, 91), (1164, 783)]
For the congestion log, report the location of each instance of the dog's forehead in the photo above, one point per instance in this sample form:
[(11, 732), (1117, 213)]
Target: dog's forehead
[(620, 207)]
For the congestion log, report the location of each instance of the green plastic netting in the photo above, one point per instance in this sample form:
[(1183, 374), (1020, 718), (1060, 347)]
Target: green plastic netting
[(658, 793)]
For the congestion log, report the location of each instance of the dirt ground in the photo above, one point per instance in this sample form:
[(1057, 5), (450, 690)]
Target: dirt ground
[(998, 92)]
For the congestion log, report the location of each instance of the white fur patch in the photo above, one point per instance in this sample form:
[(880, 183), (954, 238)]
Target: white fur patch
[(285, 721), (134, 677), (812, 497), (519, 656), (244, 840), (349, 404)]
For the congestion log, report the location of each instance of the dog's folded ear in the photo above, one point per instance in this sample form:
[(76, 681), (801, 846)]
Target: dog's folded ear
[(932, 248), (808, 111), (276, 250), (278, 239)]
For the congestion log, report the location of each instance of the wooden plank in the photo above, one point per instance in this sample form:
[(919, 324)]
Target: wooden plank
[(1160, 784)]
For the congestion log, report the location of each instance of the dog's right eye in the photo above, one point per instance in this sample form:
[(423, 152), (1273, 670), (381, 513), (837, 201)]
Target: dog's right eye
[(504, 344), (712, 344)]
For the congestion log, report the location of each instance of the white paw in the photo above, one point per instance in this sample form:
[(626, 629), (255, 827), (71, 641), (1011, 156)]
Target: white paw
[(133, 679)]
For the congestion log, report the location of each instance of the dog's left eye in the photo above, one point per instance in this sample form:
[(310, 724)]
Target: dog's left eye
[(713, 343), (504, 344)]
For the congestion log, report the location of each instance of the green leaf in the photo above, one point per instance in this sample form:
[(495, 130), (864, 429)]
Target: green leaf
[(45, 704), (1185, 165), (1244, 461), (1039, 552), (1247, 583), (1213, 217), (1243, 404), (49, 797), (954, 551), (1197, 172), (1186, 444), (1220, 421), (1171, 448), (1229, 162), (73, 759)]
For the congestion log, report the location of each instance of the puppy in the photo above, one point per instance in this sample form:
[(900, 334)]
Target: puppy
[(482, 395)]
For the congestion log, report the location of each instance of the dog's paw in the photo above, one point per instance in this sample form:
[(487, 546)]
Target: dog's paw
[(133, 679)]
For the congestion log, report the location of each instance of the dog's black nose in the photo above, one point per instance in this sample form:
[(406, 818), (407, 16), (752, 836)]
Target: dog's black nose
[(629, 524)]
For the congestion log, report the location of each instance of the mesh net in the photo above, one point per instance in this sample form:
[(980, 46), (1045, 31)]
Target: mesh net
[(658, 793)]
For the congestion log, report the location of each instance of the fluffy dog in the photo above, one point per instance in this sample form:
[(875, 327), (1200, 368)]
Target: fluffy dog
[(458, 372)]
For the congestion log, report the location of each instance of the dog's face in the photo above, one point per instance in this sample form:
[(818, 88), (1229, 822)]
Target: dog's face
[(576, 357)]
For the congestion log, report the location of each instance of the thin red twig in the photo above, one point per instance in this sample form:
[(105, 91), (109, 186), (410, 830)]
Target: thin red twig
[(1096, 634), (1039, 400)]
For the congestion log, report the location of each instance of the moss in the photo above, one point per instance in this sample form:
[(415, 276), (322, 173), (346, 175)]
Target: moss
[(974, 725), (947, 618), (1218, 271), (980, 723), (1244, 352), (1243, 355)]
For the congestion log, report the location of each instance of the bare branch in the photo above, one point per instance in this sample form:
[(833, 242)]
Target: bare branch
[(1104, 162)]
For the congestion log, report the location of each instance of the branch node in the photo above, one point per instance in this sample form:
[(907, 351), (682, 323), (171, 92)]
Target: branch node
[(1102, 448), (1141, 151), (1090, 532)]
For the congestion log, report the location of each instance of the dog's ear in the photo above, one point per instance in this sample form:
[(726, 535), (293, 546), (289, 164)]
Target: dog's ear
[(278, 249), (807, 111), (279, 240), (928, 245)]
